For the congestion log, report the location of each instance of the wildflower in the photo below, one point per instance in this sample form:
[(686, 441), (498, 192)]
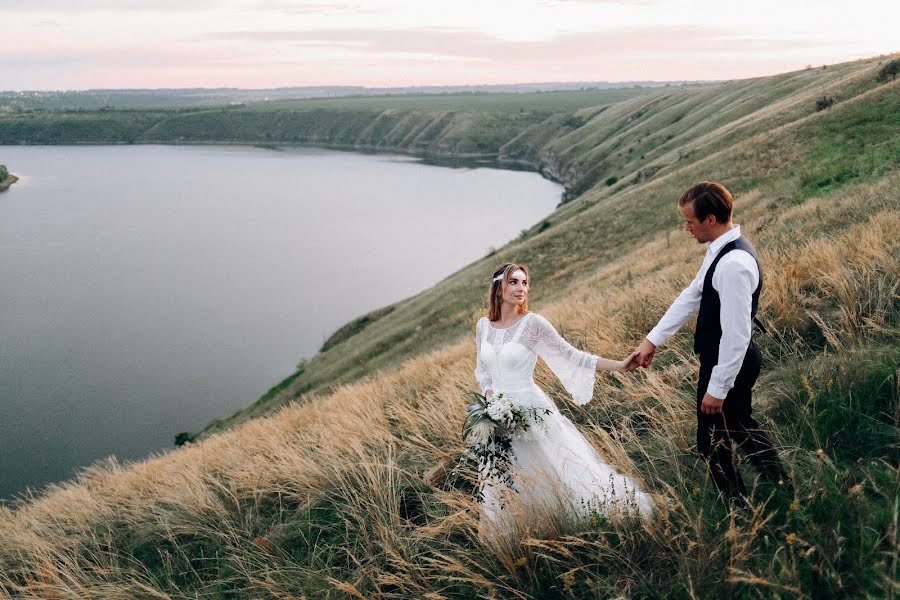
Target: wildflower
[(263, 544), (806, 386), (795, 506), (521, 562), (568, 579), (791, 539)]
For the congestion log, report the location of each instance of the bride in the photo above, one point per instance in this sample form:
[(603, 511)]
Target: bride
[(554, 464)]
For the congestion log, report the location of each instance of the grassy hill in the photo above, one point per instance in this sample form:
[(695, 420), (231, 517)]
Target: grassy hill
[(336, 494), (656, 145)]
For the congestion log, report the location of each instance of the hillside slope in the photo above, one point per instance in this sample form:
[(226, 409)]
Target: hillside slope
[(745, 133), (338, 496)]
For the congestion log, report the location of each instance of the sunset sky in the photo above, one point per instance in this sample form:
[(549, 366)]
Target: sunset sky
[(80, 44)]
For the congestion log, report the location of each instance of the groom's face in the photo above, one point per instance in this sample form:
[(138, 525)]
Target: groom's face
[(701, 230)]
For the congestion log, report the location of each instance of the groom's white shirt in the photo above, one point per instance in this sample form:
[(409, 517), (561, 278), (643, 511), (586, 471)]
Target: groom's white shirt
[(735, 279)]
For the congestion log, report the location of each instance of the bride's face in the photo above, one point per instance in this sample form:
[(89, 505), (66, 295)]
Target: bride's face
[(516, 291)]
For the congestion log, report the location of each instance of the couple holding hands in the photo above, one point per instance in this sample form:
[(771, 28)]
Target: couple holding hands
[(560, 462)]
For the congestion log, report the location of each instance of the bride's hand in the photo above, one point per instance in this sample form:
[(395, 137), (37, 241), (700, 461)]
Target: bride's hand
[(630, 363)]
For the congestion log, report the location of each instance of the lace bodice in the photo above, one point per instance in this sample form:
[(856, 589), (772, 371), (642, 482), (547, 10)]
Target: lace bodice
[(507, 357)]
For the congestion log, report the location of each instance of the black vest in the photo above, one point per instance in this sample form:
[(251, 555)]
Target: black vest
[(709, 326)]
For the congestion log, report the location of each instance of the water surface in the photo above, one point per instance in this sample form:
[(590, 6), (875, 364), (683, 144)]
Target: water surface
[(146, 290)]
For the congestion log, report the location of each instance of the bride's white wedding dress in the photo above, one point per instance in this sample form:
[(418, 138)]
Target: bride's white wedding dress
[(555, 465)]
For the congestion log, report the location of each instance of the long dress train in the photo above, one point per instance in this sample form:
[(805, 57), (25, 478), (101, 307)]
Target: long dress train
[(555, 466)]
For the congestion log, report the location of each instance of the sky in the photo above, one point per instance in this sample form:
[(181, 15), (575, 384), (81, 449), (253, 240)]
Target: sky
[(82, 44)]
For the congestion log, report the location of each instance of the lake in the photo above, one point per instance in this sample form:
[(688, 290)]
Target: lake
[(147, 290)]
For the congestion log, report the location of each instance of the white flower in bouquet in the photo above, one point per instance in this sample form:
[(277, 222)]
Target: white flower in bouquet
[(500, 408)]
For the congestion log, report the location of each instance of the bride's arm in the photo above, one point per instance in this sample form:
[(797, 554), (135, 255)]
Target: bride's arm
[(574, 368), (554, 345), (481, 374), (629, 363)]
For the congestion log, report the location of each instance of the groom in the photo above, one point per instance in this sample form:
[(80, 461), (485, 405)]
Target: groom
[(725, 294)]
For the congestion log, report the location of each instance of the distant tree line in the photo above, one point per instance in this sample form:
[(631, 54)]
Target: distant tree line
[(3, 173)]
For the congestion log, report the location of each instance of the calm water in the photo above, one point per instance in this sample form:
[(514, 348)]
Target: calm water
[(146, 290)]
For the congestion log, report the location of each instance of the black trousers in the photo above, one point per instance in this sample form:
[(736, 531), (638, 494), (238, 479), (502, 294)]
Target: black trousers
[(718, 436)]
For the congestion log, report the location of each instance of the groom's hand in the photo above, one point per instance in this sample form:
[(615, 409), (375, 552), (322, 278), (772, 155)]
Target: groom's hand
[(645, 353), (630, 363), (711, 405)]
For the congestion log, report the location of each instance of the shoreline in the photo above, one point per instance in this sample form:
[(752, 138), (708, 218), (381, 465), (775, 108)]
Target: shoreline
[(543, 167), (6, 183)]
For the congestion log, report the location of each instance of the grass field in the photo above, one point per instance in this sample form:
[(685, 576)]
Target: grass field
[(331, 486), (540, 102)]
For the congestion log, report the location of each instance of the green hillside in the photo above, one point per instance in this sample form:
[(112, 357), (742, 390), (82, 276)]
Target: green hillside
[(657, 144), (352, 487)]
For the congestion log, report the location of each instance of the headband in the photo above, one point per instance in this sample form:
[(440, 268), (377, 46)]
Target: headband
[(500, 276)]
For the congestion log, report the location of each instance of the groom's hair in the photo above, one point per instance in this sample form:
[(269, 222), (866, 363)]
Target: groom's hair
[(709, 198)]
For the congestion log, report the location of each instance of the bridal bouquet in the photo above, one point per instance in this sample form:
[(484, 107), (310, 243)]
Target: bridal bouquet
[(489, 429)]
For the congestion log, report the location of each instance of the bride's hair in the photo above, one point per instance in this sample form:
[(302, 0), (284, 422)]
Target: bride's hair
[(495, 291)]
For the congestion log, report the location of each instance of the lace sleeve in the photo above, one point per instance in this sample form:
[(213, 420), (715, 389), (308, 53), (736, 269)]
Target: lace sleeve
[(481, 374), (574, 368)]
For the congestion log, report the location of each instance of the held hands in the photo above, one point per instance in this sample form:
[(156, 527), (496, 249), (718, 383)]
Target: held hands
[(644, 353), (630, 363), (641, 357)]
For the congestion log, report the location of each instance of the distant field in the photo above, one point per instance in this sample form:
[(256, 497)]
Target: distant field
[(547, 102), (131, 99)]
